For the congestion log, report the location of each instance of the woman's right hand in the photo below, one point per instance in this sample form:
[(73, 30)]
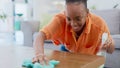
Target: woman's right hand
[(39, 49), (41, 59)]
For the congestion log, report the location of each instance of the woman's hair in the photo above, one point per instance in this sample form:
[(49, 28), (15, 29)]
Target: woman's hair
[(79, 1)]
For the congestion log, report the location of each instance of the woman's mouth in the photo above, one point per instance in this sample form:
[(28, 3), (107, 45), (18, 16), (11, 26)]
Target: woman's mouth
[(76, 28)]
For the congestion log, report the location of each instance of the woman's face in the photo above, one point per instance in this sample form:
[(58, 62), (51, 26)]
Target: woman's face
[(76, 15)]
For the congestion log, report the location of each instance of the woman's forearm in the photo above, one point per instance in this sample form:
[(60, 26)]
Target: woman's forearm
[(39, 44)]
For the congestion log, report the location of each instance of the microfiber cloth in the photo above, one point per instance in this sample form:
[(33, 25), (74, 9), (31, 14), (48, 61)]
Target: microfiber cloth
[(28, 64)]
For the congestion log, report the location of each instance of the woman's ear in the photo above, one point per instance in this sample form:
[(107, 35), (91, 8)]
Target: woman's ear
[(87, 10), (64, 12)]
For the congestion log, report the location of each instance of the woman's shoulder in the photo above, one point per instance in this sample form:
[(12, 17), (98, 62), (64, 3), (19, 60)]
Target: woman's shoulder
[(61, 15), (97, 21)]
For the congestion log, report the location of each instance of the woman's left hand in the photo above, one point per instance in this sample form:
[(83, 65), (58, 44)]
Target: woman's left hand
[(108, 46)]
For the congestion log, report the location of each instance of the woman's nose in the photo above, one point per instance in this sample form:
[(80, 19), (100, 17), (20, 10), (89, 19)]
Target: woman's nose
[(73, 23)]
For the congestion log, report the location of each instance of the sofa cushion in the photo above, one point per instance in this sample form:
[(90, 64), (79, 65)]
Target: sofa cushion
[(113, 60), (112, 18), (116, 39), (32, 24)]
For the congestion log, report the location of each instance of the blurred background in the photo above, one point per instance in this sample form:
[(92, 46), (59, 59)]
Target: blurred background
[(12, 12), (21, 20)]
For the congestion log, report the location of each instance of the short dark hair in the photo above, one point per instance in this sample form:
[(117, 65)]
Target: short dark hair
[(79, 1)]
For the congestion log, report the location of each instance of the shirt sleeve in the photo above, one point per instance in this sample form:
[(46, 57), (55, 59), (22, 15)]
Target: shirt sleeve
[(106, 30), (54, 28), (104, 26)]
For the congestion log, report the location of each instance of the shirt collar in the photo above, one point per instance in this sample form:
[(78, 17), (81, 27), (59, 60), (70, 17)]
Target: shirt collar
[(88, 25)]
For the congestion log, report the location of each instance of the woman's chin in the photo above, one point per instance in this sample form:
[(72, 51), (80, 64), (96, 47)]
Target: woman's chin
[(76, 30)]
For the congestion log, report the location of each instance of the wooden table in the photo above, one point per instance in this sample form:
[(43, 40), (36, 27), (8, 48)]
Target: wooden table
[(13, 56)]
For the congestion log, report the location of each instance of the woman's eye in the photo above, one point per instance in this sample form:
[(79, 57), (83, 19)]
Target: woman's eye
[(68, 19), (78, 19)]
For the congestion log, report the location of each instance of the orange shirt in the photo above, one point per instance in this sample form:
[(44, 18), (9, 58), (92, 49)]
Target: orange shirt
[(90, 39)]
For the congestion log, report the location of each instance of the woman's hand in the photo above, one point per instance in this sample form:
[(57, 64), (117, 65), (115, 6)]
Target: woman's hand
[(41, 59), (108, 46), (39, 49)]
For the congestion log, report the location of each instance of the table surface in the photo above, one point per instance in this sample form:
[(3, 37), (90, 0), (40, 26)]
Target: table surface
[(12, 56)]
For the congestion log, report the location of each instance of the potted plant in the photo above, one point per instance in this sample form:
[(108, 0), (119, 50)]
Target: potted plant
[(3, 17)]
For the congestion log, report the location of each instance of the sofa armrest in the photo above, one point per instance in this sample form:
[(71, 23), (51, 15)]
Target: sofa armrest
[(28, 28), (116, 39), (27, 31)]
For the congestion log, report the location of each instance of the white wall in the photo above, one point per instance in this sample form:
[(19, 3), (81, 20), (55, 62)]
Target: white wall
[(103, 4), (6, 7), (40, 7)]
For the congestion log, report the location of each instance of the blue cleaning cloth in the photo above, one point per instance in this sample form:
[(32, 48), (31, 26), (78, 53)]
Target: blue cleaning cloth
[(28, 64)]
